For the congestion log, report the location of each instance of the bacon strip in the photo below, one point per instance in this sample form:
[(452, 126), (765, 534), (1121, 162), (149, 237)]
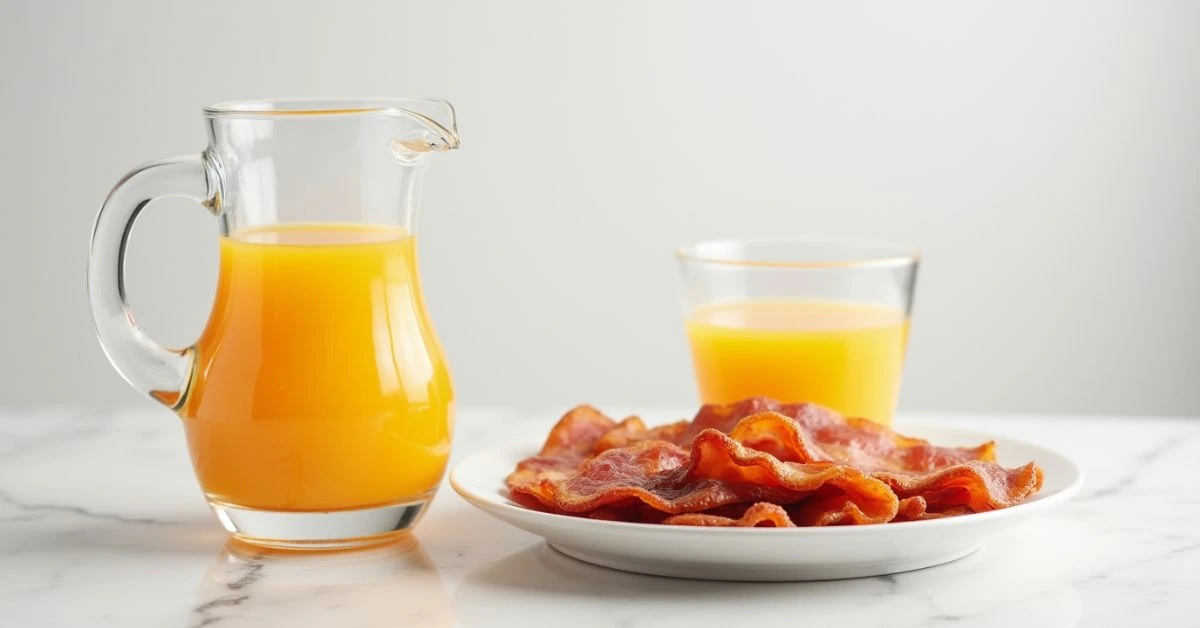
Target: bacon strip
[(633, 430), (973, 486), (761, 514), (570, 443), (862, 443), (576, 433)]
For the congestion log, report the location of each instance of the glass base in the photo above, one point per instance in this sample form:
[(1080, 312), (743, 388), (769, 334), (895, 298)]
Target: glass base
[(337, 529)]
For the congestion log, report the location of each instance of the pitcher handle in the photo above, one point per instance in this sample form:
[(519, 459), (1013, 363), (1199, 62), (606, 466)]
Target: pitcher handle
[(149, 367)]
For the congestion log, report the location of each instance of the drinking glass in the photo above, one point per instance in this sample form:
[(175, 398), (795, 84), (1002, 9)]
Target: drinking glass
[(317, 403), (821, 320)]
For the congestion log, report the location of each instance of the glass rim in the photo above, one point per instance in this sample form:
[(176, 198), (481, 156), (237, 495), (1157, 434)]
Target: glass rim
[(318, 106), (886, 254), (420, 109)]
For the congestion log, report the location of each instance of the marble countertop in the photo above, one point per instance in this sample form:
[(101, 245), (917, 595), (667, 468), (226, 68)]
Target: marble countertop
[(102, 524)]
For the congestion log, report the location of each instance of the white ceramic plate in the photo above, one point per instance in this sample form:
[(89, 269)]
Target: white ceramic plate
[(770, 553)]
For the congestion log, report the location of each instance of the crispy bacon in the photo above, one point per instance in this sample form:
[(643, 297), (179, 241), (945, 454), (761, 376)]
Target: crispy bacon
[(858, 442), (633, 430), (570, 442), (576, 433), (759, 515), (752, 462), (973, 486), (717, 471)]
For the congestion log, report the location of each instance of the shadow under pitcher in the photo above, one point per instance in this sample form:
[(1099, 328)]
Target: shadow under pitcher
[(317, 402)]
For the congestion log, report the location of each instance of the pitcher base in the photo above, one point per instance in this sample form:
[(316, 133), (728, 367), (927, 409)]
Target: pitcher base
[(338, 529)]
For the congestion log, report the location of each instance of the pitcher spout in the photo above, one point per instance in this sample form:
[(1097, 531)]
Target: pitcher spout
[(434, 125)]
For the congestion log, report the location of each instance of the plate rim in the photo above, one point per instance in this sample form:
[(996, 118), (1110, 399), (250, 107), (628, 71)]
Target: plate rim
[(486, 502)]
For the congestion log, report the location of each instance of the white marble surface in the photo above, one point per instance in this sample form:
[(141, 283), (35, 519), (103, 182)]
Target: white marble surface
[(102, 524)]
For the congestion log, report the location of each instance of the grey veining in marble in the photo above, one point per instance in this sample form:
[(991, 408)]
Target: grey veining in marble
[(102, 524)]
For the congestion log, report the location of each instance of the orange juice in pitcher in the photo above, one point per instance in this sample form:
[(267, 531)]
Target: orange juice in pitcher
[(317, 403), (318, 384)]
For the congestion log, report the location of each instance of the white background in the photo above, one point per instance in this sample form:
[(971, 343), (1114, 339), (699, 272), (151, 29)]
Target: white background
[(1044, 155)]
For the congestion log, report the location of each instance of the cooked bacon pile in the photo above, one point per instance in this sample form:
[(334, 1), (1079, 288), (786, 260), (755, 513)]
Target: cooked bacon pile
[(759, 463)]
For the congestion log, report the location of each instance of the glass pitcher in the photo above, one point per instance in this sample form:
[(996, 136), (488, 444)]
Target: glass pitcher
[(317, 402)]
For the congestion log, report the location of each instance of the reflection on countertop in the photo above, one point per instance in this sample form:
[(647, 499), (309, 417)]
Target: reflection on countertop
[(372, 586)]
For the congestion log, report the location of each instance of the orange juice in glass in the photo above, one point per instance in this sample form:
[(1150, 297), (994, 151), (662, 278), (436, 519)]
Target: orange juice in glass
[(823, 321), (317, 403)]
